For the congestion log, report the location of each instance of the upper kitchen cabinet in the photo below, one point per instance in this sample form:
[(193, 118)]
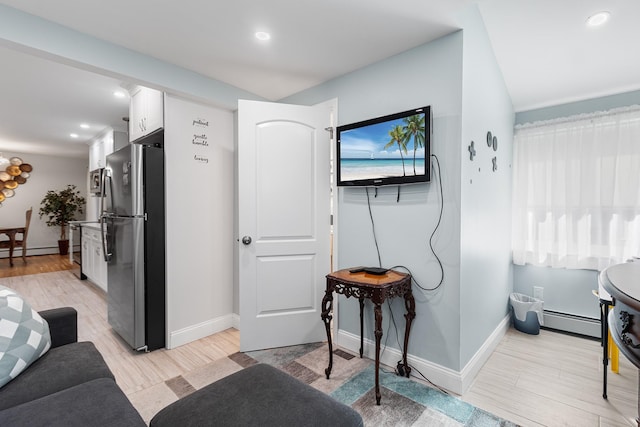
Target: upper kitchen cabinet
[(146, 112), (103, 145)]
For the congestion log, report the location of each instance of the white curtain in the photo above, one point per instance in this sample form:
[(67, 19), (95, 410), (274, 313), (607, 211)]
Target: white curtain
[(576, 192)]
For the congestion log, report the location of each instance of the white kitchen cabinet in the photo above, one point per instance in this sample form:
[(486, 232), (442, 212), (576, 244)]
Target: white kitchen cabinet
[(101, 147), (146, 112), (93, 264), (96, 154)]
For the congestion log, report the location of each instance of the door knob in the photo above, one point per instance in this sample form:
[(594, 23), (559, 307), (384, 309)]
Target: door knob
[(246, 240)]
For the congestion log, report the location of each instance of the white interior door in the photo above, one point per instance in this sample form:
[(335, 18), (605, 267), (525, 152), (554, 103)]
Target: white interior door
[(283, 222)]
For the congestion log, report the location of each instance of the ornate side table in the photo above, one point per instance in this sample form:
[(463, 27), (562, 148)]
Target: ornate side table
[(377, 288)]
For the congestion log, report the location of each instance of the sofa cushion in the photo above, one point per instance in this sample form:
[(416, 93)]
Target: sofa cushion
[(24, 335), (95, 403), (260, 395), (61, 368)]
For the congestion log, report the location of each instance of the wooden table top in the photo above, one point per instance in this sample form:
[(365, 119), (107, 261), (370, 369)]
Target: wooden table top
[(390, 278)]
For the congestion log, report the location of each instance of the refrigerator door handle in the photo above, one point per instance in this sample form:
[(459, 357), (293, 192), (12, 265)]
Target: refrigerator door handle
[(105, 247), (106, 175)]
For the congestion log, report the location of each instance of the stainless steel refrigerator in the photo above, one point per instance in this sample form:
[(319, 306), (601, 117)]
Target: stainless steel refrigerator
[(133, 233)]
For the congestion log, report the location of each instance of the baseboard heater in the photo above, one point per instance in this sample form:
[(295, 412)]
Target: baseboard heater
[(572, 323)]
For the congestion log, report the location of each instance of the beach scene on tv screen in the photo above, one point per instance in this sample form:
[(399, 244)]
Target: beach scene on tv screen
[(394, 148)]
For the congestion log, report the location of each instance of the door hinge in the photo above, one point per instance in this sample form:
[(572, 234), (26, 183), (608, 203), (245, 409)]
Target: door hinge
[(330, 130)]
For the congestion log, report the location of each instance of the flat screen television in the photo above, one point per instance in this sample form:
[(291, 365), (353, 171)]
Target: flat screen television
[(389, 150)]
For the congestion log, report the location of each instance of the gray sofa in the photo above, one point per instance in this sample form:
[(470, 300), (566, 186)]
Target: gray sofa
[(71, 385)]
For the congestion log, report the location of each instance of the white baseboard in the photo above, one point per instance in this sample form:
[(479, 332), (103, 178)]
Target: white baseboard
[(472, 368), (456, 382), (201, 330), (17, 252), (235, 321)]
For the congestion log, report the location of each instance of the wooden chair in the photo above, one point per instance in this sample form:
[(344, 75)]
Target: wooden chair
[(17, 243)]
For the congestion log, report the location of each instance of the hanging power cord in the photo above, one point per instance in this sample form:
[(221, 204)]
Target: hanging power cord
[(433, 233), (400, 369), (400, 346), (373, 225), (386, 338), (436, 229)]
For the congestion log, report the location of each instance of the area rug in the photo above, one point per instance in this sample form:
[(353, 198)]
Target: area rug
[(405, 402)]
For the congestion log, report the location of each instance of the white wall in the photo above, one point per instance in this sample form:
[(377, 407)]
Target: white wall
[(200, 214), (49, 173)]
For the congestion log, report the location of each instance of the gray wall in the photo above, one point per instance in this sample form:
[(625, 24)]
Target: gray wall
[(430, 74), (567, 291), (49, 173), (587, 106), (486, 277), (477, 273)]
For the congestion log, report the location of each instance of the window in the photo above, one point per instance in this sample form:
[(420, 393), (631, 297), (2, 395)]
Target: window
[(576, 192)]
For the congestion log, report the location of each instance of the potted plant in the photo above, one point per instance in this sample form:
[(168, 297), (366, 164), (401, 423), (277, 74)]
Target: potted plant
[(60, 207)]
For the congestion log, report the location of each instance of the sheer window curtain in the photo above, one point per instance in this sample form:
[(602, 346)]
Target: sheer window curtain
[(576, 192)]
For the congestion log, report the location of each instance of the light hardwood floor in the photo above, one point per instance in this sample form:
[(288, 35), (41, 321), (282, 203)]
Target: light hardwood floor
[(34, 264), (551, 379), (554, 379)]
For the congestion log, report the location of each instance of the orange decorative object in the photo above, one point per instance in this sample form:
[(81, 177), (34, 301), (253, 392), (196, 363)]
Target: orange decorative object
[(17, 173), (11, 185), (14, 170)]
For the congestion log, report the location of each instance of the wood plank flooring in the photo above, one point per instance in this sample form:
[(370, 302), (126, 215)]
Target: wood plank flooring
[(554, 379), (34, 265), (551, 379)]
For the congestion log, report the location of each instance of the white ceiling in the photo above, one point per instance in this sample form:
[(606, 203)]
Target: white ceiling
[(547, 54)]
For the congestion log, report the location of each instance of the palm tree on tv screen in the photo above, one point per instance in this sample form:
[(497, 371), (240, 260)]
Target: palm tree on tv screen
[(414, 128), (398, 137)]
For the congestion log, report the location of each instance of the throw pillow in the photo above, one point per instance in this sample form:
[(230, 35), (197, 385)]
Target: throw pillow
[(24, 335)]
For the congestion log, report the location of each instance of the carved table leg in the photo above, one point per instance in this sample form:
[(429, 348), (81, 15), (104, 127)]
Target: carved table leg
[(378, 332), (410, 305), (327, 309), (361, 325)]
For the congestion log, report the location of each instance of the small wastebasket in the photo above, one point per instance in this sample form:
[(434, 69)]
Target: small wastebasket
[(527, 313)]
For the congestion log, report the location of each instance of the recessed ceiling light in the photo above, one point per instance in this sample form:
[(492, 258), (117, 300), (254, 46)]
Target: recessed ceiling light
[(84, 126), (598, 19), (73, 135), (118, 94), (263, 36)]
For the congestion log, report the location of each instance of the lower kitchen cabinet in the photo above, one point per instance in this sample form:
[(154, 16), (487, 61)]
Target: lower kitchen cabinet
[(93, 264)]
